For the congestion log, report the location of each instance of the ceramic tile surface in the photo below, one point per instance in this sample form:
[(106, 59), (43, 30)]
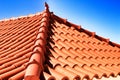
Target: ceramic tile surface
[(77, 55), (44, 46), (16, 43)]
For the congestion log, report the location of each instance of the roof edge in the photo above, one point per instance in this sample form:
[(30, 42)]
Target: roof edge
[(79, 28), (19, 17), (29, 15)]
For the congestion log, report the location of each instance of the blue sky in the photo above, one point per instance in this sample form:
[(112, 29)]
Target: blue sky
[(100, 16)]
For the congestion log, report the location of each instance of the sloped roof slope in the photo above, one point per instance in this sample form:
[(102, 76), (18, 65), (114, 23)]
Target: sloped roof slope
[(46, 47), (17, 38)]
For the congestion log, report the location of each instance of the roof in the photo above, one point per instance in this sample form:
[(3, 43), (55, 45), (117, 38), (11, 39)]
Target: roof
[(44, 46)]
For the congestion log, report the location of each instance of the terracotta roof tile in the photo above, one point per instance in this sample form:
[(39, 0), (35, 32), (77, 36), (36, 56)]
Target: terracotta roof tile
[(44, 46)]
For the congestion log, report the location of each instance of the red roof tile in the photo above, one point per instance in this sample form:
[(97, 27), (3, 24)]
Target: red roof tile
[(47, 47)]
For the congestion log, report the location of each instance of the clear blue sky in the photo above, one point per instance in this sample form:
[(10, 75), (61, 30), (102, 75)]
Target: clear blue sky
[(100, 16)]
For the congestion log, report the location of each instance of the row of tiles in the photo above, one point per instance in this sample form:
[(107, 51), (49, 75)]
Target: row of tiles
[(35, 66), (77, 43), (69, 70), (84, 59), (61, 45)]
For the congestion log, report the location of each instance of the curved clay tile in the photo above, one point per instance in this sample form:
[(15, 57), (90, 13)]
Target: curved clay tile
[(57, 75), (12, 72), (48, 76), (67, 72), (18, 76)]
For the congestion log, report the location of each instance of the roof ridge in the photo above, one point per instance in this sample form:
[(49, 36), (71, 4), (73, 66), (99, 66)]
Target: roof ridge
[(79, 28), (37, 58)]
